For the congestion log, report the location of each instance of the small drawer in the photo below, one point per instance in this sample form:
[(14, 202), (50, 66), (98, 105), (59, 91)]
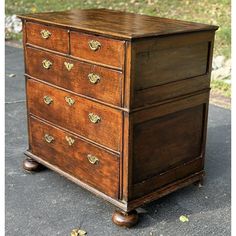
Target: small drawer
[(94, 81), (97, 49), (91, 120), (84, 161), (49, 37)]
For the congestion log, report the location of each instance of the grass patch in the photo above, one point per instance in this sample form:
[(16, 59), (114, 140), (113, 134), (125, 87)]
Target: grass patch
[(216, 12), (221, 87), (205, 11)]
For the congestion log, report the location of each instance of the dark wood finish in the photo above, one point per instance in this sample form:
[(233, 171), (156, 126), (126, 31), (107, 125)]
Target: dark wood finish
[(58, 40), (160, 180), (165, 190), (177, 140), (125, 219), (192, 56), (146, 97), (103, 175), (154, 81), (163, 150), (107, 89), (31, 165), (117, 24), (111, 52), (148, 138), (75, 118)]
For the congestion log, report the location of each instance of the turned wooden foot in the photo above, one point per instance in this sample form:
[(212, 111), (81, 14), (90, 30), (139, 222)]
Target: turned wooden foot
[(199, 183), (125, 219), (31, 165)]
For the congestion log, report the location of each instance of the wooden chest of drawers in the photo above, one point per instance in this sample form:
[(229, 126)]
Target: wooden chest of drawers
[(118, 102)]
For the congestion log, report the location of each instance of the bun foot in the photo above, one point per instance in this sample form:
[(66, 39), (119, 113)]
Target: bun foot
[(30, 165), (125, 219)]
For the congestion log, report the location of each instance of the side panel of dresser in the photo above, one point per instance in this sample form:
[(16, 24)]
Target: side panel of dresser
[(167, 147), (168, 67), (144, 185)]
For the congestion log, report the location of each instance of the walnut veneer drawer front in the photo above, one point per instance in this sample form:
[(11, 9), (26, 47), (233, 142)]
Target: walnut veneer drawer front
[(84, 78), (89, 119), (97, 49), (48, 37), (86, 162)]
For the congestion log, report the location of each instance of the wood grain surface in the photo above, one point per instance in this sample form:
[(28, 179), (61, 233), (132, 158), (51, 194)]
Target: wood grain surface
[(118, 24), (107, 89), (111, 52), (75, 118), (103, 175), (58, 40)]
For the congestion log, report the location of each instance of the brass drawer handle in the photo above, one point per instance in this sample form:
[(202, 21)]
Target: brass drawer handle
[(70, 101), (48, 138), (94, 118), (94, 45), (70, 140), (93, 78), (45, 34), (68, 65), (92, 159), (47, 99), (46, 64)]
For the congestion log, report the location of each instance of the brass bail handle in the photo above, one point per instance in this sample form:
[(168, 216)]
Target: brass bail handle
[(48, 138), (92, 159), (94, 118), (47, 99), (45, 34), (94, 45), (93, 78), (46, 64)]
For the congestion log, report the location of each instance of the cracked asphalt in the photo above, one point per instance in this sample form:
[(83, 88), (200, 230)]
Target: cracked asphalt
[(47, 204)]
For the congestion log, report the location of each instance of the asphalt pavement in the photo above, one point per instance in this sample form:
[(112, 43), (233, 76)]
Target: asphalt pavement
[(47, 204)]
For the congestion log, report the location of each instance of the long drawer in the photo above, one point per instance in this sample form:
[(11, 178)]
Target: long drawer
[(83, 78), (90, 164), (94, 121)]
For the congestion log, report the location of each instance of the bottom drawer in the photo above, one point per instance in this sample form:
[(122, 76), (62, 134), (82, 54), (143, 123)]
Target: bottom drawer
[(90, 164)]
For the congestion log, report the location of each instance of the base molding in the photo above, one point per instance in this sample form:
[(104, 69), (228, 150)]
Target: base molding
[(130, 205), (166, 190)]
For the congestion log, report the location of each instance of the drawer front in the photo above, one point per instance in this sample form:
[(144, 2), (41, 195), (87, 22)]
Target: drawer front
[(94, 121), (90, 164), (97, 49), (47, 37), (91, 80)]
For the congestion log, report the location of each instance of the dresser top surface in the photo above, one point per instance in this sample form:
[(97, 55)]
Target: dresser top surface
[(118, 24)]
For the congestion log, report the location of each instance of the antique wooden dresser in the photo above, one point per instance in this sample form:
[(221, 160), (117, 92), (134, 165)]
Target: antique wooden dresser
[(118, 102)]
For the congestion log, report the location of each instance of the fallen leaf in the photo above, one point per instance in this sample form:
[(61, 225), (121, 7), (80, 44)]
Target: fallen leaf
[(11, 75), (183, 218), (82, 232), (74, 232), (78, 232)]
